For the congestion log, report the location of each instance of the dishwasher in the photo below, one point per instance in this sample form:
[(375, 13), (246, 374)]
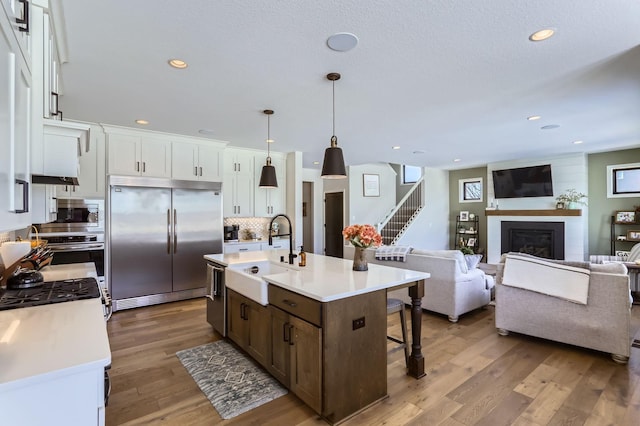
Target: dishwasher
[(216, 298)]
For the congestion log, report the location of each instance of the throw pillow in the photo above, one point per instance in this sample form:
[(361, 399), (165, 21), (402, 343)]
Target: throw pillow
[(472, 260)]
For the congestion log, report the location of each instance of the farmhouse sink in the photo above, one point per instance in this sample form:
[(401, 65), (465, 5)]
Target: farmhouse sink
[(246, 279)]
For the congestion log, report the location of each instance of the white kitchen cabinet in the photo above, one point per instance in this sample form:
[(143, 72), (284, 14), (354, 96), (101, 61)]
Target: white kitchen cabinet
[(278, 244), (241, 247), (196, 161), (270, 201), (15, 113), (238, 183), (43, 207), (91, 176), (134, 155), (16, 13)]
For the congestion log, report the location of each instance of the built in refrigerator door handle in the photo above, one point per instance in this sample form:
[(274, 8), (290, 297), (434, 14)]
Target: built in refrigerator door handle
[(175, 234), (168, 231)]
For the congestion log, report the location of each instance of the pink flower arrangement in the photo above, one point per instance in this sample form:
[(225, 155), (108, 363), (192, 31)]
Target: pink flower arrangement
[(362, 236)]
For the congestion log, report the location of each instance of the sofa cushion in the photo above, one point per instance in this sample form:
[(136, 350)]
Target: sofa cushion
[(472, 260), (449, 254), (609, 268)]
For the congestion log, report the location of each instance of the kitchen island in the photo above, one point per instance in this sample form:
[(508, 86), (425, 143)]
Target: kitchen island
[(323, 332), (53, 359)]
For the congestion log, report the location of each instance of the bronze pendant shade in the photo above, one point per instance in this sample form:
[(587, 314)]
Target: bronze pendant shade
[(268, 176), (333, 164)]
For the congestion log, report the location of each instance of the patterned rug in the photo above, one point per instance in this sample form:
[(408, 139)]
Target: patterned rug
[(231, 380)]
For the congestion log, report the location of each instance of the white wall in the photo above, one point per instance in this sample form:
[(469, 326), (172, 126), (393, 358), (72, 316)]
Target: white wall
[(294, 195), (568, 171), (371, 210), (430, 230)]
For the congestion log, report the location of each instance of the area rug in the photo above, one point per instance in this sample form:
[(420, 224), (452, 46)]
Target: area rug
[(231, 380)]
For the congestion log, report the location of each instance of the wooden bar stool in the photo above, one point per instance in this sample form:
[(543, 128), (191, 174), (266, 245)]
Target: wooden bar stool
[(393, 306)]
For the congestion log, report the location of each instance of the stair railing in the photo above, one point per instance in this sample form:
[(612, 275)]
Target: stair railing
[(398, 220)]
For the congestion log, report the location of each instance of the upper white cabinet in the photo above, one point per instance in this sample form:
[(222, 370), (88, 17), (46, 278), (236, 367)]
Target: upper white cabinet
[(135, 155), (196, 161), (238, 189), (91, 176), (15, 92), (18, 14), (270, 201)]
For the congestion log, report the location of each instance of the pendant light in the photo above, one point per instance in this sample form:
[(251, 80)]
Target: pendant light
[(333, 164), (268, 175)]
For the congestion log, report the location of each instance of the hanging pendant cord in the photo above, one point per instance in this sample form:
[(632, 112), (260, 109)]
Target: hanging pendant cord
[(334, 108), (268, 136)]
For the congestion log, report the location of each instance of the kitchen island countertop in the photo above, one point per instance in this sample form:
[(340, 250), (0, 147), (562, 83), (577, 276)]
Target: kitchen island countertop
[(324, 278)]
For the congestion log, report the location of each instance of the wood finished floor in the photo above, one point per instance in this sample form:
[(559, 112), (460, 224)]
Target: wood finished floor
[(474, 377)]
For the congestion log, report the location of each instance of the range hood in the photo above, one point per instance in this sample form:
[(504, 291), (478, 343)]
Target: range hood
[(54, 180), (55, 160)]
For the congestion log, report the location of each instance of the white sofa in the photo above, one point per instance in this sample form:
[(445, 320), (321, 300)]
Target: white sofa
[(451, 290)]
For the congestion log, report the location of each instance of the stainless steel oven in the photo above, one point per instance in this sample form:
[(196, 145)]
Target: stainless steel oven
[(77, 234)]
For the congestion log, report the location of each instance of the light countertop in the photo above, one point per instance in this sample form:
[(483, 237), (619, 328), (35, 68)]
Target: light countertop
[(324, 278), (45, 342)]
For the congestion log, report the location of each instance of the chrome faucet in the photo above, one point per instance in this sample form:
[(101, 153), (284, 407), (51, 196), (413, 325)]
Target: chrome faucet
[(292, 255)]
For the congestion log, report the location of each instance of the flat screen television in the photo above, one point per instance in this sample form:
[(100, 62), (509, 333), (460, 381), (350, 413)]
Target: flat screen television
[(534, 181)]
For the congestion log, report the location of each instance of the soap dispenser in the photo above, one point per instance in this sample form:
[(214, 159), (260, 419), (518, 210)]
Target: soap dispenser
[(303, 257)]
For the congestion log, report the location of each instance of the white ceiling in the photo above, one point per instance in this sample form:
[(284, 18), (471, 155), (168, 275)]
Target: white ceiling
[(454, 79)]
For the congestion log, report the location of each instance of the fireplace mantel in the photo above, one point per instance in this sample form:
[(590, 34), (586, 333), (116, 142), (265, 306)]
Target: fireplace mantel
[(548, 212)]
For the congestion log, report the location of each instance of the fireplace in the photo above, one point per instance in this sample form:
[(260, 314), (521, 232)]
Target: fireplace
[(542, 239)]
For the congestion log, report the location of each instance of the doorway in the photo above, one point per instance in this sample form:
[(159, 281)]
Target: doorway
[(333, 223), (308, 241)]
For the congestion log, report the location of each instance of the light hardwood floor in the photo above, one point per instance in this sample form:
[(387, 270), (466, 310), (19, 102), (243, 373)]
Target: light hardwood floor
[(474, 377)]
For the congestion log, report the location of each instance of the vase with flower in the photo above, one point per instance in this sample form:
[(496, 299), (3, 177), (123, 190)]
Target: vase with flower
[(361, 237)]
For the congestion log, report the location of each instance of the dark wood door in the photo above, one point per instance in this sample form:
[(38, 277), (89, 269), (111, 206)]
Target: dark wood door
[(334, 223), (236, 325), (306, 362), (259, 331), (279, 356)]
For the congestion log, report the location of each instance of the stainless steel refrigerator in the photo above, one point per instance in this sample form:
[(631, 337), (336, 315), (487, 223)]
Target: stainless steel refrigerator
[(158, 231)]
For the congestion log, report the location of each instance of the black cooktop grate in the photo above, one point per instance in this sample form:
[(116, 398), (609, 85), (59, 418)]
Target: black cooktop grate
[(50, 292)]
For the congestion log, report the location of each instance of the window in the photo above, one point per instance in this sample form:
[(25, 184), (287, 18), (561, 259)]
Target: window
[(411, 174), (470, 190), (623, 180)]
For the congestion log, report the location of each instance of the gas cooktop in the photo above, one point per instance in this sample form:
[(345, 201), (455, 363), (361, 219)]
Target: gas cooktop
[(50, 292)]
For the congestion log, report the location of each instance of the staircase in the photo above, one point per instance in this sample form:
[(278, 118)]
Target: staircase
[(399, 219)]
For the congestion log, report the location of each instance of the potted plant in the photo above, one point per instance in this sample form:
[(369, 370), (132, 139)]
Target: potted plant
[(571, 198)]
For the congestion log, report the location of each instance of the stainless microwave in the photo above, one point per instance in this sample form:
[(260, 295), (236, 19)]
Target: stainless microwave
[(76, 216)]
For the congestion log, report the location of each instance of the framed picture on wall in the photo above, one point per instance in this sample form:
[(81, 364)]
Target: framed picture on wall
[(626, 217), (370, 185)]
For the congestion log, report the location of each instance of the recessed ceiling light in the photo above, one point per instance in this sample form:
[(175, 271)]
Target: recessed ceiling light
[(534, 117), (550, 126), (316, 162), (206, 132), (457, 160), (178, 63), (342, 42), (395, 147), (140, 121), (542, 34), (577, 142), (270, 141)]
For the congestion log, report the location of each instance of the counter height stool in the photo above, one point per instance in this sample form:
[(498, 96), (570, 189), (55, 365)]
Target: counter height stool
[(393, 306)]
